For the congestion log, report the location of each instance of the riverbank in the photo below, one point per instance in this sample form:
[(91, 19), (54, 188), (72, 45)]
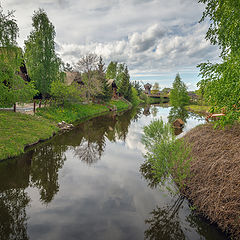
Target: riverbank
[(18, 130), (204, 110), (214, 183)]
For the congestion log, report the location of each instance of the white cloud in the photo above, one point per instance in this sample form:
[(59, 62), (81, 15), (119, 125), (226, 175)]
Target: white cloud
[(150, 36)]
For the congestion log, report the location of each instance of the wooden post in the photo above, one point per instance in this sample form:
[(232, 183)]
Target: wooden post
[(14, 107), (34, 106)]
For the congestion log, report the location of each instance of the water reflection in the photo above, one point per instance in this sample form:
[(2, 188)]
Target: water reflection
[(46, 163), (70, 199), (94, 133), (165, 223), (14, 178)]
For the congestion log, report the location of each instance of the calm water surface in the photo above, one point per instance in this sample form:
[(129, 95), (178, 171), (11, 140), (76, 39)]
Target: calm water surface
[(86, 184)]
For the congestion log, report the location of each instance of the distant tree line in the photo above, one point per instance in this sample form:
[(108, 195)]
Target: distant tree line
[(47, 71)]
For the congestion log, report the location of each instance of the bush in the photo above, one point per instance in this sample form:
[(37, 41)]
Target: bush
[(167, 156), (135, 100), (63, 93)]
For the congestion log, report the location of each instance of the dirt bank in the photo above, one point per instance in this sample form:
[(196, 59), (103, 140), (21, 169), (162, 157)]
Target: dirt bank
[(214, 185)]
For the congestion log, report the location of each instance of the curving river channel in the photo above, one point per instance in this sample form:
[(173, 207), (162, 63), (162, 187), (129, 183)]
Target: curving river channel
[(86, 184)]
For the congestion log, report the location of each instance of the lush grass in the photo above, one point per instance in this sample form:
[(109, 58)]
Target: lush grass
[(17, 130), (71, 112), (121, 105), (75, 112), (198, 108)]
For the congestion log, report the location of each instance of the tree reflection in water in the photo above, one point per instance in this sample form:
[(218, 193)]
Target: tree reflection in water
[(88, 152), (165, 223), (14, 178), (95, 132), (178, 112), (13, 219), (46, 163)]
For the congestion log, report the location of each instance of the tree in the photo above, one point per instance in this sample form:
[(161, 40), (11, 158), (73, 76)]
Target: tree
[(12, 87), (41, 59), (220, 81), (106, 92), (178, 95), (138, 87), (111, 70), (123, 82), (87, 65)]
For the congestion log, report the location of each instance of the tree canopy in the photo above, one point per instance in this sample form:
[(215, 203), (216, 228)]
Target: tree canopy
[(12, 87), (178, 95), (41, 58), (220, 81)]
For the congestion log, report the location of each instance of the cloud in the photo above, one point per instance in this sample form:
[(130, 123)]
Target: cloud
[(150, 36)]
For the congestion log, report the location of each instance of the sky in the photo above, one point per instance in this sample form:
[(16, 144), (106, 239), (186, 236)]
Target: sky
[(155, 38)]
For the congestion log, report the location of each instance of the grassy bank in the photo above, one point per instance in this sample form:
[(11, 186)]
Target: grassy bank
[(198, 109), (77, 112), (120, 105), (18, 130), (214, 182)]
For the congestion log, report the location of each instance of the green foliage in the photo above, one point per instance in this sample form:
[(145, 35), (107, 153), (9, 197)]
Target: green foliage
[(106, 92), (17, 130), (71, 112), (135, 100), (111, 72), (143, 97), (123, 82), (137, 86), (63, 93), (41, 59), (167, 156), (178, 95), (12, 87), (220, 82), (224, 28), (121, 105)]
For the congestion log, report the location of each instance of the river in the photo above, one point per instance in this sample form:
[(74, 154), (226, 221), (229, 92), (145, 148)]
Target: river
[(86, 184)]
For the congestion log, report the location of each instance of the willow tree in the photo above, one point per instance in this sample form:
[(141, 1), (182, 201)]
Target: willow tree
[(220, 81), (12, 87), (40, 55)]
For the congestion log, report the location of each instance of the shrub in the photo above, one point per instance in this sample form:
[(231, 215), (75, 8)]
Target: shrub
[(167, 156)]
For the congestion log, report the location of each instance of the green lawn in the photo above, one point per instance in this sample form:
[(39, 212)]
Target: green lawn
[(75, 112), (71, 112), (17, 130), (119, 104), (198, 108)]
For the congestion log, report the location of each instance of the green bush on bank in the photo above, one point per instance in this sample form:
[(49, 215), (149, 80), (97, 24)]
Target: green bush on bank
[(166, 157), (17, 130)]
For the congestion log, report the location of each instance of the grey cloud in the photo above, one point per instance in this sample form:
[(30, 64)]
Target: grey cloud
[(150, 36)]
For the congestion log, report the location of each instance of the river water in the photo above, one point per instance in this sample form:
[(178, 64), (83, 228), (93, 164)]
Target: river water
[(86, 184)]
